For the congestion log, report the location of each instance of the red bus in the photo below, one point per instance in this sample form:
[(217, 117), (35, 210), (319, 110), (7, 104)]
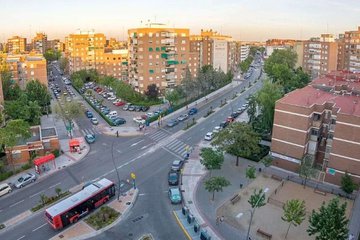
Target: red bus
[(71, 209)]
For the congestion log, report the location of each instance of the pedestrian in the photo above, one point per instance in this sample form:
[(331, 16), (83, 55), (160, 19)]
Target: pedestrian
[(217, 220), (187, 107), (117, 133), (158, 123), (222, 219)]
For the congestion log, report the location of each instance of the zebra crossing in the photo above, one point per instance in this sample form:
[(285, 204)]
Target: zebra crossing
[(158, 135), (178, 147), (93, 130)]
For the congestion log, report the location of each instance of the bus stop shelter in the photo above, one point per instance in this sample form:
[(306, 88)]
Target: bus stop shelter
[(43, 164)]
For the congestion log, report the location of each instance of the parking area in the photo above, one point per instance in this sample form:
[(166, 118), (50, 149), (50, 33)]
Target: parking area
[(117, 110)]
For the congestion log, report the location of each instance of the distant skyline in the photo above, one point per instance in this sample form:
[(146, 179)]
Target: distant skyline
[(247, 20)]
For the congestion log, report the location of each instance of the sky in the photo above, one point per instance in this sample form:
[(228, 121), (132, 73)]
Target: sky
[(246, 20)]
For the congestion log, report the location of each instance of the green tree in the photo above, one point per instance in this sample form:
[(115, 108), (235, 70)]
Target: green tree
[(174, 95), (22, 108), (43, 199), (256, 200), (245, 65), (306, 169), (347, 184), (239, 139), (38, 92), (58, 191), (68, 112), (250, 173), (52, 55), (152, 92), (285, 57), (330, 222), (211, 159), (11, 90), (64, 64), (294, 213), (216, 184), (11, 134)]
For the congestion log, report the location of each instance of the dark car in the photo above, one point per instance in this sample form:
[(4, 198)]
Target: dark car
[(177, 165), (173, 178), (89, 114), (224, 124), (138, 108), (131, 108), (144, 108), (235, 114), (193, 111), (119, 121)]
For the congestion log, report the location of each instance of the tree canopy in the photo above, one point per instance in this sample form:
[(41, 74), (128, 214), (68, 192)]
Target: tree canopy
[(257, 199), (38, 92), (238, 139), (306, 169), (152, 92), (329, 222), (52, 55), (347, 184), (211, 159), (216, 184), (294, 213)]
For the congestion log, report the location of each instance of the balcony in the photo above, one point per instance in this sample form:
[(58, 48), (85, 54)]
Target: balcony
[(316, 124)]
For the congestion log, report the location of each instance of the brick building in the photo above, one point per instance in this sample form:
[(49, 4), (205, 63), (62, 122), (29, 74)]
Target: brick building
[(321, 120), (16, 45), (39, 43)]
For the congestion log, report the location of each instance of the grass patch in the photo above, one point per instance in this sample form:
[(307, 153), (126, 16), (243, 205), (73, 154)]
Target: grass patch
[(105, 216), (45, 201), (189, 125), (209, 113), (234, 96), (6, 175)]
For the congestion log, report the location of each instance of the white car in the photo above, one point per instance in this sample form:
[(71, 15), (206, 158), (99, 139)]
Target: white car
[(149, 114), (111, 98), (209, 136), (5, 189), (217, 129), (139, 120)]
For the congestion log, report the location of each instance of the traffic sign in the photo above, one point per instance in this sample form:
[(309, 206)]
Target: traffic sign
[(330, 171), (133, 176)]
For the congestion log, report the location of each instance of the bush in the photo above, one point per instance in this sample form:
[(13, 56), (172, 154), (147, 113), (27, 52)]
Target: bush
[(49, 200), (26, 166), (264, 150), (6, 175), (102, 218), (56, 152)]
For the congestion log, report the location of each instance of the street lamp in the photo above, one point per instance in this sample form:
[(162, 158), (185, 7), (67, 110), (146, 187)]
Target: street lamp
[(117, 172), (252, 212)]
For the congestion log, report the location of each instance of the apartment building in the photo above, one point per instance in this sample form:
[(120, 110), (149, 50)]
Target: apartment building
[(157, 55), (114, 64), (55, 45), (277, 44), (39, 43), (320, 55), (26, 67), (351, 50), (322, 121), (215, 49), (16, 45), (243, 51), (299, 49)]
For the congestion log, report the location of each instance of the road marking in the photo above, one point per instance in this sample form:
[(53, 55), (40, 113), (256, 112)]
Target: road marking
[(36, 194), (176, 155), (39, 227), (143, 147), (55, 185), (16, 203), (119, 151), (20, 237), (202, 129), (134, 144), (142, 194)]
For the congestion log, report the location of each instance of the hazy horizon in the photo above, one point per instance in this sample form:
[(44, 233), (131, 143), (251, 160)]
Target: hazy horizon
[(245, 20)]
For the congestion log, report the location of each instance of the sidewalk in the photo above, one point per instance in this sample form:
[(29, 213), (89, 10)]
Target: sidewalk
[(82, 230)]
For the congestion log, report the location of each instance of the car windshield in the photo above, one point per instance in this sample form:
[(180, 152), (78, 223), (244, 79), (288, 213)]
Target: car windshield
[(21, 179), (172, 176), (176, 163)]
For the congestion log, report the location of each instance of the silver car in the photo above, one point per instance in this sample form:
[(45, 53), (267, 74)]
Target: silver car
[(25, 180)]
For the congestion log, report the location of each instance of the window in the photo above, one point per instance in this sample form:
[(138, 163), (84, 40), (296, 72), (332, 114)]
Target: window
[(314, 132), (316, 117), (151, 71), (150, 49)]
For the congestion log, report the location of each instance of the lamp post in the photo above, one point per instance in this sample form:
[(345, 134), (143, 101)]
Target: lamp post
[(117, 172)]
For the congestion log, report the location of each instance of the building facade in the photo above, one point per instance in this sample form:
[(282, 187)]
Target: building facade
[(39, 43), (27, 67), (157, 55), (55, 45), (321, 121), (16, 45), (351, 51), (320, 55)]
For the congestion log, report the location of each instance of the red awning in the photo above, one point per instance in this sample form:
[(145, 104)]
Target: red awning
[(44, 159), (74, 143)]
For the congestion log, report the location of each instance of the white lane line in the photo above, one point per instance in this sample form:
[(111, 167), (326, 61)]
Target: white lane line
[(145, 147), (55, 185), (202, 129), (134, 144), (20, 237), (39, 227), (119, 151), (36, 194), (142, 194), (16, 203)]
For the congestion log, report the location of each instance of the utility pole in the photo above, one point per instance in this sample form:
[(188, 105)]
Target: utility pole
[(117, 172)]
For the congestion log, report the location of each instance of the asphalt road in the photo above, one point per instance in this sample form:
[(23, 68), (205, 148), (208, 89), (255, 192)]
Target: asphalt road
[(149, 156)]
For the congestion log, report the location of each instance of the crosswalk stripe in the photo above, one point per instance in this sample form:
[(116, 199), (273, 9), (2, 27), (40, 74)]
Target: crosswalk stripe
[(172, 142), (183, 152), (83, 132), (159, 137), (175, 145), (156, 134), (178, 149)]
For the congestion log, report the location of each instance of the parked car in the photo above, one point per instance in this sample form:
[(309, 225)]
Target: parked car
[(94, 121), (149, 114), (111, 98), (138, 108), (131, 108), (119, 121), (183, 117), (144, 108), (112, 118), (105, 111), (224, 124), (175, 195), (192, 111), (139, 120), (209, 136), (177, 165), (5, 189), (89, 114), (230, 119), (173, 178), (235, 114), (90, 138), (113, 113), (119, 104), (126, 106), (217, 129), (24, 180), (172, 122)]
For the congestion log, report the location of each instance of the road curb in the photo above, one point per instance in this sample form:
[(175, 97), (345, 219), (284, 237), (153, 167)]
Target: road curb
[(182, 226)]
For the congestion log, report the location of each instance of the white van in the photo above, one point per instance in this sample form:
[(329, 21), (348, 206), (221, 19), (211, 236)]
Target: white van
[(113, 114), (5, 189)]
